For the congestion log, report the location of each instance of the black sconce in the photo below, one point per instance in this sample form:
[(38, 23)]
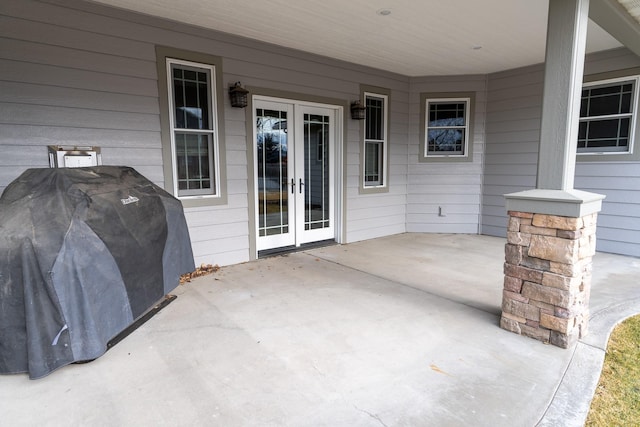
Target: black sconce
[(357, 110), (238, 95)]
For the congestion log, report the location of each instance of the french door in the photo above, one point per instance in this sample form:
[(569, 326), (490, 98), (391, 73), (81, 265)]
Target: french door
[(294, 148)]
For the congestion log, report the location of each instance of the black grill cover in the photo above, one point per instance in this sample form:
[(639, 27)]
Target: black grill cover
[(83, 253)]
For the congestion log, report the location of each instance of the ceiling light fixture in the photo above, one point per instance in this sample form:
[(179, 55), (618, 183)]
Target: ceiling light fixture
[(384, 12)]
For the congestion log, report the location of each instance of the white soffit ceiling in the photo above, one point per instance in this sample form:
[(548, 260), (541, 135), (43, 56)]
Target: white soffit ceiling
[(633, 7), (417, 37)]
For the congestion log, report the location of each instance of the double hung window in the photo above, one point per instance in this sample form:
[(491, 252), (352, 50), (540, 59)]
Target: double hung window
[(193, 130), (375, 140), (608, 113), (447, 127)]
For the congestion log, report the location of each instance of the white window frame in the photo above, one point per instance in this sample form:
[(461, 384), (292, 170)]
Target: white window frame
[(466, 127), (635, 104), (217, 111), (382, 183), (425, 98), (214, 163)]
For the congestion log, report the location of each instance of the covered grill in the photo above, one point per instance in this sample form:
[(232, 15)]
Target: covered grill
[(84, 252)]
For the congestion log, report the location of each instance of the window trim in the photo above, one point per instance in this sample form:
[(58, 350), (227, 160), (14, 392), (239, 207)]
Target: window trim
[(634, 132), (164, 57), (425, 98), (385, 94), (212, 131)]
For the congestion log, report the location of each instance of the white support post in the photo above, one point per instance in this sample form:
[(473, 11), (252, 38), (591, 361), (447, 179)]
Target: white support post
[(566, 42)]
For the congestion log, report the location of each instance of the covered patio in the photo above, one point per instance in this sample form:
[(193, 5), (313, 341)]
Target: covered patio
[(400, 330)]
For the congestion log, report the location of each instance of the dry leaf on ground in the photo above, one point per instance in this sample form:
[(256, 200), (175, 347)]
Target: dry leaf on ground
[(203, 270)]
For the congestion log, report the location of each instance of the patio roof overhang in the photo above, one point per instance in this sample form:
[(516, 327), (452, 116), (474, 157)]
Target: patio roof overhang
[(408, 37), (619, 18)]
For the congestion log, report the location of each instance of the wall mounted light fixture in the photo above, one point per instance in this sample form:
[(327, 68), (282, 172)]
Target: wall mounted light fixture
[(238, 95), (357, 110)]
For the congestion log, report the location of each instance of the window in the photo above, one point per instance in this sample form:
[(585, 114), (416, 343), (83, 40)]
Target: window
[(607, 116), (192, 130), (446, 126), (190, 101), (374, 175)]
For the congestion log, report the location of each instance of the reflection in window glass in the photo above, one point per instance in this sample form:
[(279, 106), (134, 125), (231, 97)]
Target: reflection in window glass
[(316, 172), (606, 117), (194, 138), (447, 127), (193, 160), (273, 179), (375, 140)]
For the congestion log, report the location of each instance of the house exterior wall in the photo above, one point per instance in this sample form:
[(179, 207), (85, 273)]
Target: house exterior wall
[(514, 107), (456, 185), (75, 73), (371, 215)]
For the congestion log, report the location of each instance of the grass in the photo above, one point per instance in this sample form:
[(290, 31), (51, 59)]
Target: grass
[(617, 397)]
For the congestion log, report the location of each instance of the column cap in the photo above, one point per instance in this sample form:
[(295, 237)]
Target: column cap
[(570, 203)]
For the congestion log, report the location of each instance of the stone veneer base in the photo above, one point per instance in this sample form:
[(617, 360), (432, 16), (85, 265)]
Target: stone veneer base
[(547, 278)]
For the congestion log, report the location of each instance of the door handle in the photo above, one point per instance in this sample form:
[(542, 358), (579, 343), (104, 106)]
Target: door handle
[(293, 186), (301, 184)]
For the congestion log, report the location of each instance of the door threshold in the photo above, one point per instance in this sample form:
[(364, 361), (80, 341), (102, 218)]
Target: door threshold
[(266, 253)]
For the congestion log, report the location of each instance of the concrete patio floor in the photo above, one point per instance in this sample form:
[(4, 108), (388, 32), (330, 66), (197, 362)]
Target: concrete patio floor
[(396, 331)]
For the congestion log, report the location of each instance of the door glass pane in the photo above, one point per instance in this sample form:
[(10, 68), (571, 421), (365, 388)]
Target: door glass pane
[(273, 208), (316, 172)]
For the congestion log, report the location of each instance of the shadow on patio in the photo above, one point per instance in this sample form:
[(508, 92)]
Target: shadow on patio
[(401, 330)]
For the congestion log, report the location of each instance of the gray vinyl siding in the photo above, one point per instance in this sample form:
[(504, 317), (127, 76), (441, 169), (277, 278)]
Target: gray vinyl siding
[(380, 214), (455, 186), (514, 107), (619, 221), (514, 111), (77, 73)]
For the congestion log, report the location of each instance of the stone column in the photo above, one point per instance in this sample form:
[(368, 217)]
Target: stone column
[(551, 231), (548, 276)]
